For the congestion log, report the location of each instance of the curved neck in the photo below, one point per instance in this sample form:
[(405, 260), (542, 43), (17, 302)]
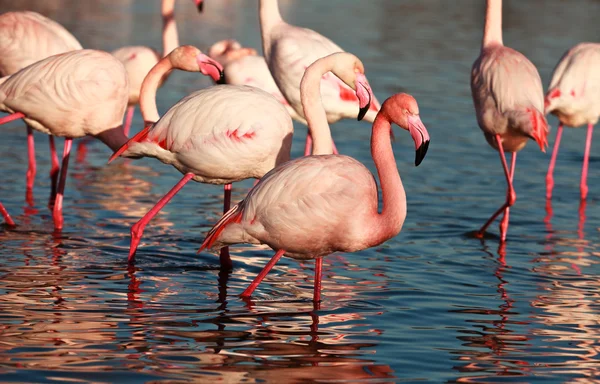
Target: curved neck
[(310, 96), (269, 17), (170, 37), (149, 86), (389, 222), (492, 32), (114, 138)]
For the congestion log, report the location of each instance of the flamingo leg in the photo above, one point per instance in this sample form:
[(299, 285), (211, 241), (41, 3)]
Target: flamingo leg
[(549, 175), (262, 274), (511, 196), (504, 222), (57, 214), (31, 168), (9, 221), (137, 230), (128, 119), (54, 170), (224, 257), (586, 158), (318, 271)]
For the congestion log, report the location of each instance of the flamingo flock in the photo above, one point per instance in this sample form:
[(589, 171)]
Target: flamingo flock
[(241, 128)]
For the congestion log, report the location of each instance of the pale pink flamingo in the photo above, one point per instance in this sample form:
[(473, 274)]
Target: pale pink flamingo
[(139, 60), (217, 135), (509, 101), (313, 206), (69, 95), (574, 97), (25, 38), (243, 66), (289, 50)]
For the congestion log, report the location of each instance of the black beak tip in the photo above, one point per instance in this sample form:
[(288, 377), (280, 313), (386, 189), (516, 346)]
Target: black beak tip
[(200, 7), (421, 152), (222, 79), (362, 112)]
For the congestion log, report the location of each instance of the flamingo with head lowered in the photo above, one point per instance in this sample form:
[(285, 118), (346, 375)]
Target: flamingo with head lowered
[(509, 103), (25, 38), (310, 207), (574, 97), (69, 95)]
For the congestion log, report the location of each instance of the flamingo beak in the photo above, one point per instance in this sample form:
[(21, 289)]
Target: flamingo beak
[(364, 94), (419, 133), (199, 5), (212, 68)]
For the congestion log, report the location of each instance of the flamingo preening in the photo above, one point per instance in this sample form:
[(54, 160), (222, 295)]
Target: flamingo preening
[(509, 102), (574, 97)]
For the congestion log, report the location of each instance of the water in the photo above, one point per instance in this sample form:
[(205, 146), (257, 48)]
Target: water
[(432, 304)]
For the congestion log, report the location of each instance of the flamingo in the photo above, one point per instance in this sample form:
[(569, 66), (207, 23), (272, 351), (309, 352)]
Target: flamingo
[(509, 100), (574, 97), (25, 38), (289, 50), (9, 221), (243, 66), (139, 60), (313, 206), (69, 95)]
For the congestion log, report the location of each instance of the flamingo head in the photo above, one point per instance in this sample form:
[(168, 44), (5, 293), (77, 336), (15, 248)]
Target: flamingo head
[(191, 59), (351, 71), (199, 5), (403, 110)]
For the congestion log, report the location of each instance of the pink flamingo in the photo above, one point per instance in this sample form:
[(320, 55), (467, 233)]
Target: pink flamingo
[(289, 50), (139, 60), (243, 66), (574, 97), (69, 95), (508, 97), (313, 206), (9, 221), (217, 135), (25, 38)]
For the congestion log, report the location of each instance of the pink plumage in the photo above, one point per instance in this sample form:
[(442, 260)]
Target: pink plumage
[(508, 98), (574, 97)]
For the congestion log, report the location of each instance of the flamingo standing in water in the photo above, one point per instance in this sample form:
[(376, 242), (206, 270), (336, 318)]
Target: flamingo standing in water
[(243, 66), (25, 38), (289, 50), (313, 206), (509, 101), (574, 97), (139, 60), (69, 95), (310, 207)]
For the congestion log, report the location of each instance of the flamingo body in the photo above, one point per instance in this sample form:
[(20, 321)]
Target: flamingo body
[(138, 61), (221, 134), (27, 37), (307, 206), (71, 95)]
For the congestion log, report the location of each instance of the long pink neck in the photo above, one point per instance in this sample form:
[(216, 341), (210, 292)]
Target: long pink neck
[(170, 37), (269, 17), (492, 33), (310, 96), (388, 223), (113, 138), (150, 86)]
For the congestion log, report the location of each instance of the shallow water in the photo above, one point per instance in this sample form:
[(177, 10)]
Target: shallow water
[(432, 304)]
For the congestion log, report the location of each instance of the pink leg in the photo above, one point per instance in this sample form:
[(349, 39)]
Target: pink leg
[(137, 230), (549, 175), (224, 257), (308, 145), (511, 196), (11, 117), (54, 169), (128, 119), (7, 218), (317, 289), (504, 222), (57, 214), (586, 158), (262, 274), (31, 169)]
